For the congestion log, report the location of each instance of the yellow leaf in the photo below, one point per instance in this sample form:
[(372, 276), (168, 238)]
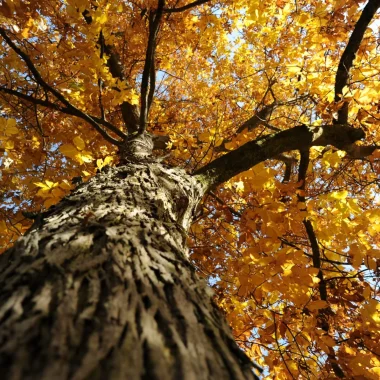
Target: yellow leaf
[(294, 69), (68, 150), (79, 143), (287, 268), (345, 90), (239, 186), (108, 160), (41, 184), (339, 195), (330, 96), (356, 254), (373, 215), (349, 350), (25, 33), (134, 99), (376, 371), (51, 184), (301, 206), (373, 229), (3, 226), (328, 340), (84, 157), (205, 136), (44, 193), (99, 163), (230, 145), (11, 128), (9, 144), (333, 159), (65, 185), (101, 19)]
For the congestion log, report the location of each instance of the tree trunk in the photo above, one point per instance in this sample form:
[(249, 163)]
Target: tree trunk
[(101, 288)]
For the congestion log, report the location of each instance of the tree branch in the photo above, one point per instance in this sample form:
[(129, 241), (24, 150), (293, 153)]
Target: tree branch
[(349, 53), (69, 107), (100, 82), (70, 111), (257, 119), (302, 171), (250, 154), (154, 25), (316, 257), (185, 7), (129, 112), (261, 117), (152, 84), (288, 161), (66, 110), (33, 69)]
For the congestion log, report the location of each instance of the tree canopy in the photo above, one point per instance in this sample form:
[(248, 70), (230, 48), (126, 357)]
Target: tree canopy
[(291, 245)]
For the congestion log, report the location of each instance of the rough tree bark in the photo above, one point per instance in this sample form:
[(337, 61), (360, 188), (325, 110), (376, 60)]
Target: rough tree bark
[(101, 288)]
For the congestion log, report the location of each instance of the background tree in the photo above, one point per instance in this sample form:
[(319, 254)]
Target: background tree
[(270, 113)]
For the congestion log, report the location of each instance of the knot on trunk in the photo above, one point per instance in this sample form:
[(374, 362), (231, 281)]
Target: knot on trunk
[(137, 148)]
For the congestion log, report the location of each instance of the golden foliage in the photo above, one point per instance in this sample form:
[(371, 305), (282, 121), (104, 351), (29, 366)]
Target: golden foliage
[(217, 65)]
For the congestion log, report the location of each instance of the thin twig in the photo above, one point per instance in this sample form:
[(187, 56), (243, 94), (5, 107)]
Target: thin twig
[(185, 7)]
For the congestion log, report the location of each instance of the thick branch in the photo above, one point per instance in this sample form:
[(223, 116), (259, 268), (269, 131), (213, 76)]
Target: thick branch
[(261, 117), (288, 161), (129, 112), (254, 152), (257, 119), (185, 7), (349, 53), (154, 25), (152, 84)]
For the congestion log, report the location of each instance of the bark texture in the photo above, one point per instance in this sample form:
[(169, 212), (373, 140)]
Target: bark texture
[(101, 288)]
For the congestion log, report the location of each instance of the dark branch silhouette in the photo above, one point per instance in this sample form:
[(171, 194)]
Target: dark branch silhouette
[(69, 107), (300, 137), (129, 112), (349, 53), (148, 78), (65, 110), (185, 7), (317, 260)]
